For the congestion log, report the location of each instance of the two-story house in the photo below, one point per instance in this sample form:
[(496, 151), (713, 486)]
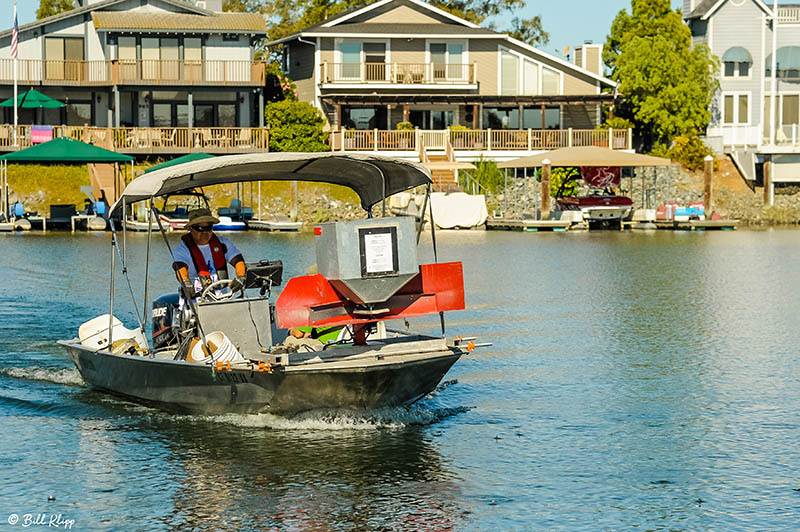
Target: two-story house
[(744, 35), (140, 64), (395, 61)]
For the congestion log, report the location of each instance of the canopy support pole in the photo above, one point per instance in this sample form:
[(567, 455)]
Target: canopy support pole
[(115, 245), (421, 221), (259, 200), (147, 265), (111, 290), (192, 306)]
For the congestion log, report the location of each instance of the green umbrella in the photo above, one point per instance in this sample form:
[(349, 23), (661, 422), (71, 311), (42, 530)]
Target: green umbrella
[(33, 99)]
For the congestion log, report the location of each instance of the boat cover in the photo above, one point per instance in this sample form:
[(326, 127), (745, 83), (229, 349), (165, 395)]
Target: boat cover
[(372, 177)]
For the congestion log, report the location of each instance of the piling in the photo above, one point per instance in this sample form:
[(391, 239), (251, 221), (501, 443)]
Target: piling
[(709, 175), (546, 189)]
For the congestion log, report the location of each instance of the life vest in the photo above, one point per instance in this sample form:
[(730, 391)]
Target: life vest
[(218, 250)]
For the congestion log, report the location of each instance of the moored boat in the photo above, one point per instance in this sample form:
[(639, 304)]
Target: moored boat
[(232, 352)]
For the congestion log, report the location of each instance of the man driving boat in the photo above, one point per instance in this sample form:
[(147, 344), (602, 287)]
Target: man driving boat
[(202, 257)]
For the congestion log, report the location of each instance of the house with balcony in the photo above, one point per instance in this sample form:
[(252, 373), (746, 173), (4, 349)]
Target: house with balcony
[(371, 68), (745, 35), (158, 76)]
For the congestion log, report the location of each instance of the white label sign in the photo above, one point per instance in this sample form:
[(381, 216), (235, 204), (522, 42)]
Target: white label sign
[(378, 253)]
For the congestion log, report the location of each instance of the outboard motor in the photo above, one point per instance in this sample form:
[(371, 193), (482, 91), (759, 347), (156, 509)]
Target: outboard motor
[(165, 311)]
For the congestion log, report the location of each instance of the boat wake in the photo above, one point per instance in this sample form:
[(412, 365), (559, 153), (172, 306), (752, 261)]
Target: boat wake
[(68, 376), (345, 420)]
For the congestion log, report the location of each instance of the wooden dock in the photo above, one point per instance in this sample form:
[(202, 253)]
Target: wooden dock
[(697, 225), (527, 225)]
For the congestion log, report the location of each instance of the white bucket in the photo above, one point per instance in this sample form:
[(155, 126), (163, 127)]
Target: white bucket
[(222, 349)]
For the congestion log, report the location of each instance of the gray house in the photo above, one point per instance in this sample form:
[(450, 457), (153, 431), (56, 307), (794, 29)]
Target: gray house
[(141, 63), (744, 35)]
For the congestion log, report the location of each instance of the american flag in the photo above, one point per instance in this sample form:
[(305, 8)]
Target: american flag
[(15, 36)]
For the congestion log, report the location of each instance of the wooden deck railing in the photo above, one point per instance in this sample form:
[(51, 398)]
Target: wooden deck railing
[(155, 140), (396, 73), (478, 140), (134, 72)]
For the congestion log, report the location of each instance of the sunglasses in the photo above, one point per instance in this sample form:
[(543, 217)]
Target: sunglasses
[(202, 228)]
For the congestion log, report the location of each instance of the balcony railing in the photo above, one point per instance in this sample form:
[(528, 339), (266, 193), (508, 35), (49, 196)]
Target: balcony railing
[(478, 140), (789, 15), (133, 72), (155, 140), (398, 73)]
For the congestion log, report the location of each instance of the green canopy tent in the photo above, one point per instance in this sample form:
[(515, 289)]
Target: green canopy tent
[(180, 160), (60, 150)]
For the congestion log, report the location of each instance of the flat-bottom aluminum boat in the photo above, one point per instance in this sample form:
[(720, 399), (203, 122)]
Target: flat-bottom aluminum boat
[(345, 357)]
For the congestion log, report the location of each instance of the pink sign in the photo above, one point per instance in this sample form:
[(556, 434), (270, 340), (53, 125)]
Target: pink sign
[(40, 134)]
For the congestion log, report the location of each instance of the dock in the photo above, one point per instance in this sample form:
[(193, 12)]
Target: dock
[(697, 225), (527, 225)]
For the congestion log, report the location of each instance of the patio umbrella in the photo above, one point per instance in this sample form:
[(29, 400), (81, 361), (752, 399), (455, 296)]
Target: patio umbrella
[(33, 99)]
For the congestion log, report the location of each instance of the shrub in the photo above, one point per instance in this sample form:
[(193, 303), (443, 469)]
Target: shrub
[(455, 127), (562, 175), (689, 150), (405, 126), (486, 172), (295, 126), (616, 123)]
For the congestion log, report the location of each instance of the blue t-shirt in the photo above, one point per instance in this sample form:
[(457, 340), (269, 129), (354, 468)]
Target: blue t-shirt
[(182, 254)]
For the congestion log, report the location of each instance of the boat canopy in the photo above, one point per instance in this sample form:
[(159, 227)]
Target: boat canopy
[(585, 156), (372, 177)]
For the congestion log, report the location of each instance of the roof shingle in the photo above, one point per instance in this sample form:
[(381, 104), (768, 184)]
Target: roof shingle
[(219, 22)]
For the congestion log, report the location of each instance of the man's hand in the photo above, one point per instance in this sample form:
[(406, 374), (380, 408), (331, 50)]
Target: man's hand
[(187, 287), (237, 283)]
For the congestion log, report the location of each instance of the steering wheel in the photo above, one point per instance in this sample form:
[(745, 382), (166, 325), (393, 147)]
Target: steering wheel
[(209, 294)]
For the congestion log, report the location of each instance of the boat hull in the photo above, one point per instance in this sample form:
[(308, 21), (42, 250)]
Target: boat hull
[(191, 388)]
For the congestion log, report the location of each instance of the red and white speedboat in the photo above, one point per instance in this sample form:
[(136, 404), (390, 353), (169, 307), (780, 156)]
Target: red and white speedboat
[(601, 205)]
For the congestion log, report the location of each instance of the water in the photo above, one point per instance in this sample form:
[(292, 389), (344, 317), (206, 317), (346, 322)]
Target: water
[(637, 381)]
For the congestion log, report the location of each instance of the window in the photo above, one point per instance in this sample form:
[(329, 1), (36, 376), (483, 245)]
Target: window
[(530, 78), (790, 109), (501, 117), (551, 81), (375, 59), (736, 62), (364, 117), (64, 58), (735, 109), (351, 60), (788, 63), (509, 73), (448, 61), (734, 69), (532, 118)]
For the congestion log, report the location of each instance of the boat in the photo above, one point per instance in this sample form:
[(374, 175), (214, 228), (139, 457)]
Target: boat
[(277, 224), (235, 351), (227, 224), (601, 206), (173, 213)]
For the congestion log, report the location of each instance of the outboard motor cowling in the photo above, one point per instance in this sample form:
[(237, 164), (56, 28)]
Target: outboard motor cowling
[(165, 311)]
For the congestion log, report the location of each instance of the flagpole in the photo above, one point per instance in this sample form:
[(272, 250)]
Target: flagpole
[(16, 75)]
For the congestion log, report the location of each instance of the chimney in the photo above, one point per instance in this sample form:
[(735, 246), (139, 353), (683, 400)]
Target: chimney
[(590, 57), (211, 5), (688, 7)]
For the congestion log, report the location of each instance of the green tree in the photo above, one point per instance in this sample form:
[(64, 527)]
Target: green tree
[(666, 84), (48, 8), (295, 126), (289, 16)]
